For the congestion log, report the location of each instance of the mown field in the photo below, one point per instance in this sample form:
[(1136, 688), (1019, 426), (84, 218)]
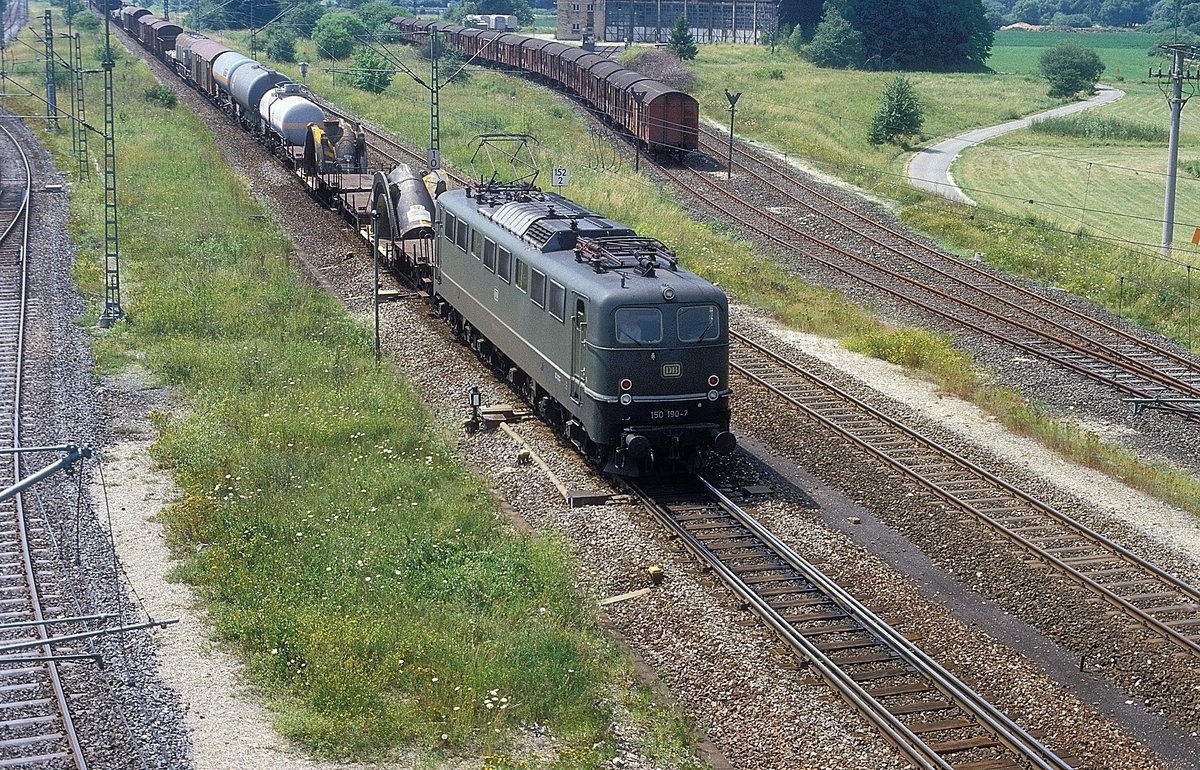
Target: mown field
[(1111, 188), (361, 571)]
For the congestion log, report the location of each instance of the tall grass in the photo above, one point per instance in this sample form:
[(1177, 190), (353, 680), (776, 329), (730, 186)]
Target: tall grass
[(1100, 128)]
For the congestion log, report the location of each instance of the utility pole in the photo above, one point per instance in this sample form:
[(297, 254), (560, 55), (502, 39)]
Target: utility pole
[(51, 90), (435, 132), (1176, 101), (85, 166), (113, 311)]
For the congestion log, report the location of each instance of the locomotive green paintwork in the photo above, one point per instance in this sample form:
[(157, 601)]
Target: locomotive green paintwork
[(546, 282)]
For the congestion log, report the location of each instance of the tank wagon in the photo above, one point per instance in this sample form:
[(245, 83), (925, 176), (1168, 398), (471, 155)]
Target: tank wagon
[(602, 330), (664, 120)]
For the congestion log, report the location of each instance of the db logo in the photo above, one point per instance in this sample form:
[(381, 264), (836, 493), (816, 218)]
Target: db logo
[(672, 370)]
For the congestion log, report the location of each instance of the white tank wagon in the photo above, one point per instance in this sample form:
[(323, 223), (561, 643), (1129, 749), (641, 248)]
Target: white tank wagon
[(287, 110)]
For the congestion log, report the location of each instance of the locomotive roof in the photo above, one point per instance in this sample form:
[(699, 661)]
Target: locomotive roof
[(587, 248), (545, 221)]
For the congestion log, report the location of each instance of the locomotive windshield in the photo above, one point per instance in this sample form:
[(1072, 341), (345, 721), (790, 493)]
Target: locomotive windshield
[(698, 323), (639, 325)]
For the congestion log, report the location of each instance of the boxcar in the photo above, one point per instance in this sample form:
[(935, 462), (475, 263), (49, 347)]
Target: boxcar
[(203, 53)]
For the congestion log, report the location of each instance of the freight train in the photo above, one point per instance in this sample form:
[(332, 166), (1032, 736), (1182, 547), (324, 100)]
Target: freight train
[(600, 329), (664, 120)]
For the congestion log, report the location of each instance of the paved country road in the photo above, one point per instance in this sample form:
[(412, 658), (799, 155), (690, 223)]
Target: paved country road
[(929, 169)]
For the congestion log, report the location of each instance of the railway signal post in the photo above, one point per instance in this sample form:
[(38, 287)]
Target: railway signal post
[(733, 100)]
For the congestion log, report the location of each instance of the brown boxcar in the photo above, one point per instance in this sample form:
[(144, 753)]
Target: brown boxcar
[(165, 35), (595, 86), (670, 118), (202, 55), (129, 14), (548, 61)]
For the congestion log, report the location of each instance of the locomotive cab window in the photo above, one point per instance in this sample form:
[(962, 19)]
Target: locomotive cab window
[(504, 264), (699, 323), (537, 288), (639, 325), (489, 254), (556, 303), (449, 227), (522, 275)]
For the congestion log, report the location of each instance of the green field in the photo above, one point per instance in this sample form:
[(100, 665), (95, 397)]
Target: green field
[(1114, 189)]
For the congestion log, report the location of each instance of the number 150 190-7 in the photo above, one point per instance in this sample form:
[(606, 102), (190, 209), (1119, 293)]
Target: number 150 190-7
[(670, 414)]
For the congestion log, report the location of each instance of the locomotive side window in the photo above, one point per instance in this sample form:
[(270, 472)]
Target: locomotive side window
[(450, 227), (489, 254), (537, 288), (504, 264), (557, 301), (460, 237), (476, 244), (522, 275), (639, 325), (699, 322)]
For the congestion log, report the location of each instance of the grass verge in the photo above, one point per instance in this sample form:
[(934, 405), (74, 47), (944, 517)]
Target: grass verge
[(361, 571)]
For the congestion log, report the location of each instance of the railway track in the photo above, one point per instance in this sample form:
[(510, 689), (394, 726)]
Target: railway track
[(36, 729), (1143, 592), (954, 290), (933, 719)]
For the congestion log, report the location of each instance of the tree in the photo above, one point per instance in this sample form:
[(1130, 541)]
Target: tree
[(681, 42), (372, 71), (800, 13), (899, 114), (836, 43), (303, 17), (377, 15), (334, 34), (939, 35), (280, 44), (1070, 68)]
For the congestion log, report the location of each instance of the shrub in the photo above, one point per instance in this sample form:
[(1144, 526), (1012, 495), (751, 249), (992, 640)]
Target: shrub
[(371, 71), (161, 94), (771, 73), (281, 44), (85, 21), (118, 53), (1101, 128), (662, 66), (1070, 69), (899, 113)]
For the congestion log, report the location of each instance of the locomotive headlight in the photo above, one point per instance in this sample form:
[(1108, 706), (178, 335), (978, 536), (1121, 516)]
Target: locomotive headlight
[(626, 384), (713, 381), (626, 399), (712, 395), (668, 293)]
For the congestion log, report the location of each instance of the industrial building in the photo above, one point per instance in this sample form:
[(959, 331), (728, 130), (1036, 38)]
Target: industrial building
[(650, 21)]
